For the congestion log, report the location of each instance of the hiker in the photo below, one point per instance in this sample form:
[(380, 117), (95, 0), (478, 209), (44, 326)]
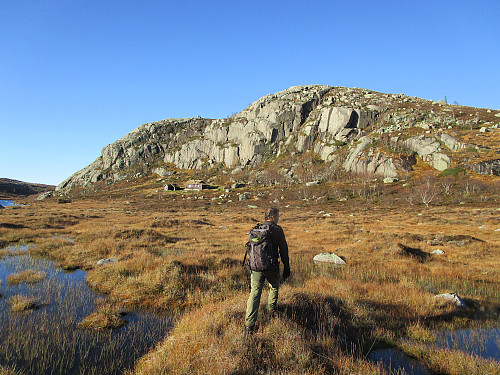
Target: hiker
[(266, 269)]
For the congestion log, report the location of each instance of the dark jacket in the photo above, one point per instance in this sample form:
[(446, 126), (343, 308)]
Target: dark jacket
[(280, 246)]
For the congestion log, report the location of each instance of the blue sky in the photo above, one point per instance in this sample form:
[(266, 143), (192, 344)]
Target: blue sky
[(76, 75)]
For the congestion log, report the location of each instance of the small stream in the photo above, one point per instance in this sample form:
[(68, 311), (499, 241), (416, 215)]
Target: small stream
[(46, 340)]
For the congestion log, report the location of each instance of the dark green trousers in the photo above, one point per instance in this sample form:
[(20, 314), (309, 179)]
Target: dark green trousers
[(256, 284)]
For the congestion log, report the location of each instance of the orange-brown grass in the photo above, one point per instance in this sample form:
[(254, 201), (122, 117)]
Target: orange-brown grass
[(185, 256), (10, 370), (26, 276), (20, 303), (210, 340), (106, 317), (450, 361)]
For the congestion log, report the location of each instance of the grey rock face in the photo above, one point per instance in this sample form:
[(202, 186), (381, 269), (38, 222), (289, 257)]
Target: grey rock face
[(44, 196), (488, 167), (363, 160), (321, 119), (429, 149), (451, 142)]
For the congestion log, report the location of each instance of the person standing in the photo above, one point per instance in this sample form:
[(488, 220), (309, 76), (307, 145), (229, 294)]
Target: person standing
[(279, 250)]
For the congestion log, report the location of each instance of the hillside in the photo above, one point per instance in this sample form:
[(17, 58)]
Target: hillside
[(13, 188), (356, 130)]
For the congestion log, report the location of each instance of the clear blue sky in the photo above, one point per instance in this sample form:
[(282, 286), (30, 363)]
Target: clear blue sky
[(76, 75)]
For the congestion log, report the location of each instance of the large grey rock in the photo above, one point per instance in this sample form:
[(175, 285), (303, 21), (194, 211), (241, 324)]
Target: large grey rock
[(102, 262), (328, 258), (437, 252), (429, 149), (361, 160), (450, 142), (452, 298), (44, 196)]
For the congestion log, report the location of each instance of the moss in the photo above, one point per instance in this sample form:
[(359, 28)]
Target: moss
[(457, 171)]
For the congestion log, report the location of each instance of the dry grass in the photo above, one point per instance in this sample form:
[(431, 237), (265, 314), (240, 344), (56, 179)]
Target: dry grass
[(184, 256), (22, 303), (26, 276), (9, 370)]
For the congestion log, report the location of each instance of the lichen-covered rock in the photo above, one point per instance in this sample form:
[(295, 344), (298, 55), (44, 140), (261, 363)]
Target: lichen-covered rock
[(452, 298), (328, 258), (340, 125)]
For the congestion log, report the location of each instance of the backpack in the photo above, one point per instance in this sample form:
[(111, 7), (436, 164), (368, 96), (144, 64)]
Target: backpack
[(260, 248)]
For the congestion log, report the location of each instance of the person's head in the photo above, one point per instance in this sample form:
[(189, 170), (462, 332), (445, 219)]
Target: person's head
[(273, 214)]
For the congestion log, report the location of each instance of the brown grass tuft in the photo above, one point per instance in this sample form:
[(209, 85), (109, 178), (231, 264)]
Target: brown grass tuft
[(26, 276), (22, 303)]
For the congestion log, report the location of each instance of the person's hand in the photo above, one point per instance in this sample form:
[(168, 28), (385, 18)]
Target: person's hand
[(286, 273)]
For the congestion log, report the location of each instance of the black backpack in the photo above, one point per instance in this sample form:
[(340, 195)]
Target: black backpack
[(260, 248)]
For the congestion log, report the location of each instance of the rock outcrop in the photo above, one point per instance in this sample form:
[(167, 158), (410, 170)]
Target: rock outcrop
[(340, 125)]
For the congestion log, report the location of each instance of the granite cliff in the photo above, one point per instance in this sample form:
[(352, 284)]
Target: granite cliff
[(362, 130)]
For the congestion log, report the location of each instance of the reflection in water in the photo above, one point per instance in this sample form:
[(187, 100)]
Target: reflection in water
[(46, 340), (483, 343), (395, 360)]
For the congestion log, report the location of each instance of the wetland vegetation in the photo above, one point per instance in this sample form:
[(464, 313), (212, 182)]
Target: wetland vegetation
[(178, 254)]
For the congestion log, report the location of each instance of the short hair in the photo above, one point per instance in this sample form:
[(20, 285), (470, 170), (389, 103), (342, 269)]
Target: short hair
[(272, 212)]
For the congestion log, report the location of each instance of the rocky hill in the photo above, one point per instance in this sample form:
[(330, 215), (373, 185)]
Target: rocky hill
[(361, 130), (13, 188)]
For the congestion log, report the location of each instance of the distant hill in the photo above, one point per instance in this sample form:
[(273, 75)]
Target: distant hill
[(357, 130), (13, 188)]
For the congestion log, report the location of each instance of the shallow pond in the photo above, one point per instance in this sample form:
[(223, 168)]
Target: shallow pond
[(483, 343), (395, 360), (7, 203), (46, 340)]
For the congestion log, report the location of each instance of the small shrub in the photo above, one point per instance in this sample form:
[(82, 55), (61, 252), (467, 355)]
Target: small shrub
[(457, 171)]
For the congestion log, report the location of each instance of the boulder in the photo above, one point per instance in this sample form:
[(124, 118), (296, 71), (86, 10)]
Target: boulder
[(451, 142), (390, 180), (101, 262), (452, 298), (312, 183), (328, 258), (437, 252), (429, 149), (44, 196)]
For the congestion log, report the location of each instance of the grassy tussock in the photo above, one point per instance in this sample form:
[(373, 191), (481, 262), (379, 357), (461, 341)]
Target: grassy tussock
[(26, 276), (102, 320), (22, 303), (211, 340)]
